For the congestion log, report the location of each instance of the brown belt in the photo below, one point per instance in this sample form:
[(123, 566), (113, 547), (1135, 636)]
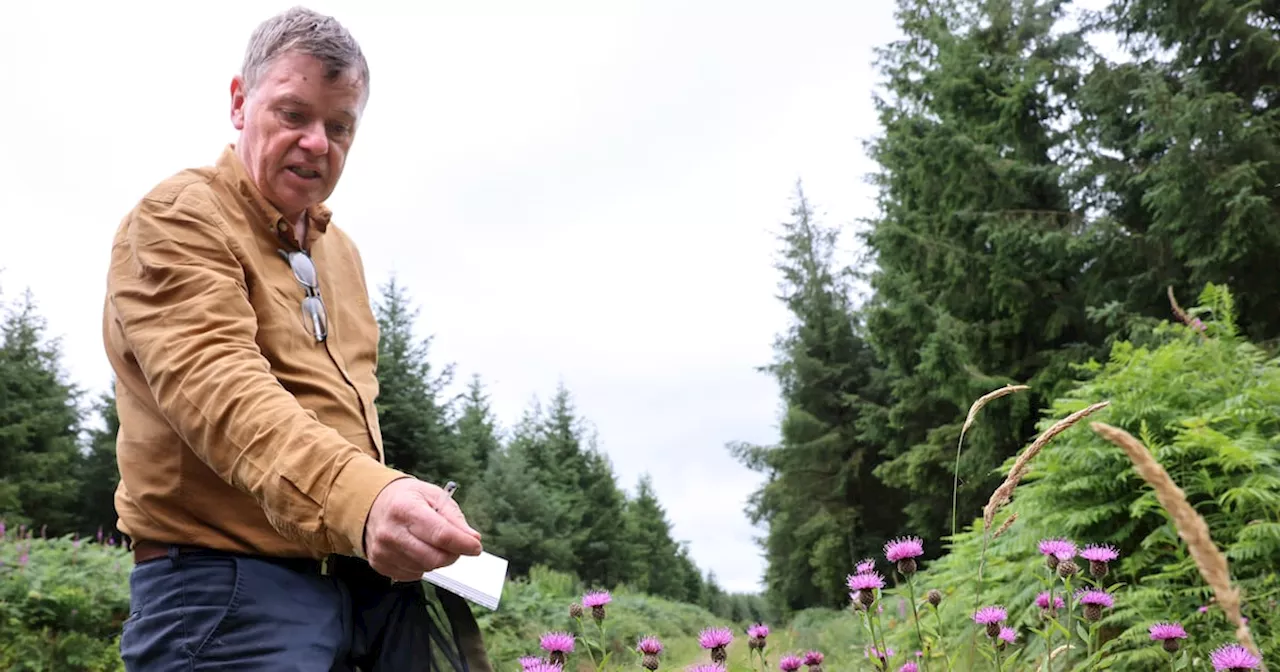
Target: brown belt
[(144, 551)]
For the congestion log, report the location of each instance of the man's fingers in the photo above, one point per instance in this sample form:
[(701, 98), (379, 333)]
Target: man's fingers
[(444, 535), (450, 510)]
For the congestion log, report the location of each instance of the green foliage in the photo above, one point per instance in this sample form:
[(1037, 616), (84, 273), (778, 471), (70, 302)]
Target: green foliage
[(1207, 404), (979, 258), (61, 604), (820, 502)]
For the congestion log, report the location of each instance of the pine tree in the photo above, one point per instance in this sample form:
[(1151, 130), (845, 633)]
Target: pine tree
[(40, 421), (99, 472), (821, 504), (475, 429), (1184, 133), (415, 424), (657, 560), (978, 251)]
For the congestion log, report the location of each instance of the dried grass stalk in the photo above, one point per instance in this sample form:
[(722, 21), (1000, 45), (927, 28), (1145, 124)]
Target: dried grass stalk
[(986, 399), (968, 422), (1004, 527), (1190, 525), (1020, 467)]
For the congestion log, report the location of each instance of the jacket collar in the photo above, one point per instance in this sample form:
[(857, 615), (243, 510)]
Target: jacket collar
[(232, 170)]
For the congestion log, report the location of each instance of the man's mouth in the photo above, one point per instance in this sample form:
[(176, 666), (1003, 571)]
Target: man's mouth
[(304, 173)]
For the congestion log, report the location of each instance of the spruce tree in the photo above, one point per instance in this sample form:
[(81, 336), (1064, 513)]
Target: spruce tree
[(978, 250), (415, 422), (40, 421), (821, 505)]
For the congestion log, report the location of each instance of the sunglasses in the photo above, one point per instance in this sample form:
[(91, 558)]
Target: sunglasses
[(304, 271)]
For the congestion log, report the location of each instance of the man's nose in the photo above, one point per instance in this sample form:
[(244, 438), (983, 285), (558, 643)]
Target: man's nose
[(314, 139)]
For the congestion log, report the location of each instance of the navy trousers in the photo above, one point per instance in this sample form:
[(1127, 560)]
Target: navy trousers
[(228, 612)]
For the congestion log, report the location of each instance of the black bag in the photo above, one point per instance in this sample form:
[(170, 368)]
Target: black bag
[(407, 627)]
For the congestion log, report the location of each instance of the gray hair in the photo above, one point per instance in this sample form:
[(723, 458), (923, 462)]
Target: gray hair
[(305, 31)]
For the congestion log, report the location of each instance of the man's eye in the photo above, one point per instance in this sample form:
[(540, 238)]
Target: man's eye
[(291, 116)]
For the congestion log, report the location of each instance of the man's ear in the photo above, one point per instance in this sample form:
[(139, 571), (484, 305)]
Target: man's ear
[(238, 97)]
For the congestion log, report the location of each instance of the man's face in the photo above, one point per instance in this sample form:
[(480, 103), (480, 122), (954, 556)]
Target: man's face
[(295, 130)]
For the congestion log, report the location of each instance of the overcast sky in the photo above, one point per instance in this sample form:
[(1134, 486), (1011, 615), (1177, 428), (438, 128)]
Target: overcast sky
[(585, 196)]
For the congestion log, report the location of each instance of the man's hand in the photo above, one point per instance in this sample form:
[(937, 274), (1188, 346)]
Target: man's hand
[(415, 527)]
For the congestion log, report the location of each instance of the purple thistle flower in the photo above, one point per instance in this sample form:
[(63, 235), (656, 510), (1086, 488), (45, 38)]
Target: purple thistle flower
[(1008, 635), (909, 667), (1056, 550), (1233, 658), (1094, 602), (813, 658), (527, 662), (557, 642), (991, 616), (864, 586), (595, 601), (649, 645), (1, 530), (1099, 557), (1168, 635), (867, 581), (873, 652), (716, 639), (705, 668), (540, 666), (597, 598), (759, 630), (904, 551), (1042, 601), (867, 565), (789, 663)]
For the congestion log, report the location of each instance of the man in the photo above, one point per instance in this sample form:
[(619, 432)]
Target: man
[(238, 322)]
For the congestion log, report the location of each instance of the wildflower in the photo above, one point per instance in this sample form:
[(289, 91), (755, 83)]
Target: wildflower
[(1233, 658), (1008, 635), (1067, 568), (1098, 557), (1046, 611), (934, 597), (1056, 550), (1168, 635), (992, 617), (705, 668), (716, 639), (873, 652), (904, 551), (1094, 601), (757, 634), (1, 530), (595, 601), (557, 644), (814, 660), (864, 587), (649, 647), (528, 662), (575, 610), (866, 566), (540, 666), (789, 663), (909, 667)]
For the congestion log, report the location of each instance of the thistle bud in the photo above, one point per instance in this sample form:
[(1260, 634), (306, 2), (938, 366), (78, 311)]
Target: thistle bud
[(1067, 568), (935, 597), (575, 610), (649, 662)]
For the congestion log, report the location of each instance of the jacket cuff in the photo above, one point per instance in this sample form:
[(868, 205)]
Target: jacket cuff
[(352, 495)]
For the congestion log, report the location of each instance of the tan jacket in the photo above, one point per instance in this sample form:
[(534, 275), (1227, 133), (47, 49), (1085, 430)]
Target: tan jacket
[(239, 431)]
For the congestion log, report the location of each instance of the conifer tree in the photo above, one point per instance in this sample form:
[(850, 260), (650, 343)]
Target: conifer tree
[(415, 422), (978, 251), (821, 505), (40, 421)]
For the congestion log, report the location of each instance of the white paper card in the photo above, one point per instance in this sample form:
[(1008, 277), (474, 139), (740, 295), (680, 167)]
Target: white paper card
[(478, 578)]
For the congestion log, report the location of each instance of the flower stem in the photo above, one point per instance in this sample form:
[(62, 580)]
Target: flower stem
[(600, 665), (945, 657), (1070, 619), (911, 589), (995, 644), (1048, 631)]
